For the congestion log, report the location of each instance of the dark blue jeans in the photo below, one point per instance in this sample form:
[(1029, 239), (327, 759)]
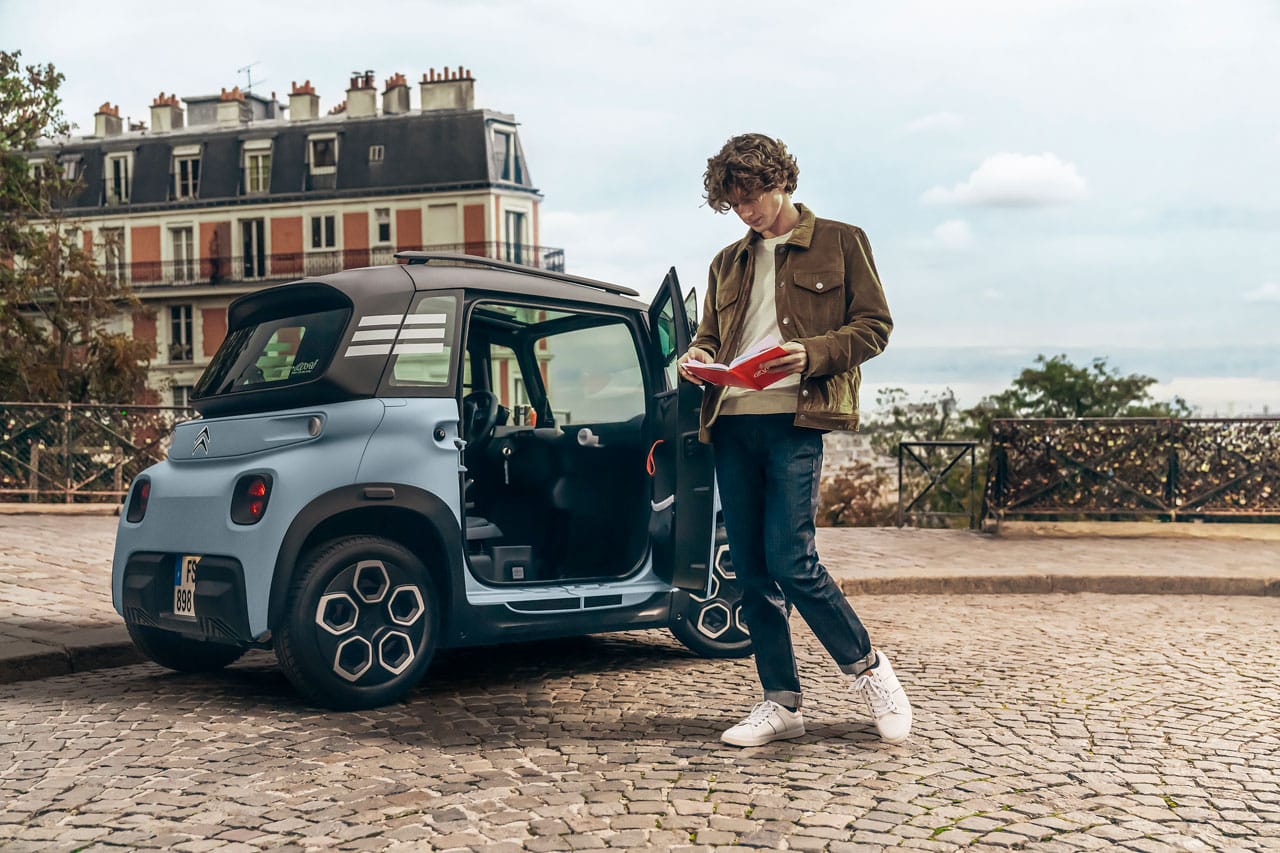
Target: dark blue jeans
[(767, 471)]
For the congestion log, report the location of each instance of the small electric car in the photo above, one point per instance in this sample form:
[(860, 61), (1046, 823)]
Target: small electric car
[(450, 451)]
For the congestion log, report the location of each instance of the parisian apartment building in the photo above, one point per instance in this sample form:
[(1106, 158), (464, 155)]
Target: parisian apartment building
[(220, 195)]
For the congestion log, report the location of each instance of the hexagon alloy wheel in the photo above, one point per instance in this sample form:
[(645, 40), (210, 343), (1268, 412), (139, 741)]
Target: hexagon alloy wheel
[(395, 646), (737, 618), (371, 582), (722, 557), (722, 615), (337, 613), (350, 662), (405, 605)]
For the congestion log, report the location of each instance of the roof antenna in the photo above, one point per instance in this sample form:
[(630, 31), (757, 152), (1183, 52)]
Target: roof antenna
[(247, 71)]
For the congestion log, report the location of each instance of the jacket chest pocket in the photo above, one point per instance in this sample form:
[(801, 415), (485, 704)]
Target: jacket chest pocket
[(817, 300), (727, 299)]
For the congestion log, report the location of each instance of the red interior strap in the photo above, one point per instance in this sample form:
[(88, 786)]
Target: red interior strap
[(649, 465)]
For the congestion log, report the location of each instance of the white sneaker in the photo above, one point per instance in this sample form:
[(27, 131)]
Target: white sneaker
[(767, 721), (886, 700)]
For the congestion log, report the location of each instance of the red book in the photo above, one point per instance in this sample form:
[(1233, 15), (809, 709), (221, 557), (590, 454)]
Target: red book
[(745, 370)]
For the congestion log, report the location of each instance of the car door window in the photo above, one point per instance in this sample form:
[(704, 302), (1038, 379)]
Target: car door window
[(592, 375)]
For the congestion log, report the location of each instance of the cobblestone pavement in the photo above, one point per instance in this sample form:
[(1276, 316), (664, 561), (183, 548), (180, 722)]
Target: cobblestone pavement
[(1059, 722), (55, 574)]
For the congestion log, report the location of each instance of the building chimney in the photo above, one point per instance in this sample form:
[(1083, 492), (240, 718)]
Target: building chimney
[(362, 96), (106, 121), (231, 107), (166, 115), (304, 103), (451, 90), (395, 100)]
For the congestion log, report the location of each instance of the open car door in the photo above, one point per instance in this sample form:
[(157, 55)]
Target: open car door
[(683, 522)]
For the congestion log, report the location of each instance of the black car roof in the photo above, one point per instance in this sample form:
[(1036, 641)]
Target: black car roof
[(369, 288)]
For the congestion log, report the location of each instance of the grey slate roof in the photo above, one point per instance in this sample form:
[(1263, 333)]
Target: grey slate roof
[(439, 150)]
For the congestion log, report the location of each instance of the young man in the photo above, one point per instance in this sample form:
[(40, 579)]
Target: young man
[(812, 284)]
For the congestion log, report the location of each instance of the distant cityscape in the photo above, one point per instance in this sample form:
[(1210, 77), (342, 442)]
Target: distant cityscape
[(1223, 382)]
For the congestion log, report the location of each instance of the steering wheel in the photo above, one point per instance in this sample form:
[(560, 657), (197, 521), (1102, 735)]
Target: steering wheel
[(479, 417)]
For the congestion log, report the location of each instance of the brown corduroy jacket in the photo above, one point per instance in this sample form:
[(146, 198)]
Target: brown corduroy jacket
[(828, 298)]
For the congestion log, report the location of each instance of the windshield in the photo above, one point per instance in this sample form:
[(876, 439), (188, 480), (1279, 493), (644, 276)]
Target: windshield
[(274, 354)]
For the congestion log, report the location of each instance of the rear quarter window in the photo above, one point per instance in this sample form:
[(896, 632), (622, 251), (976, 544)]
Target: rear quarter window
[(276, 353)]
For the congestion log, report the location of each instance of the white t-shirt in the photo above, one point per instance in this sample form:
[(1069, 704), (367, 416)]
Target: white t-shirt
[(761, 321)]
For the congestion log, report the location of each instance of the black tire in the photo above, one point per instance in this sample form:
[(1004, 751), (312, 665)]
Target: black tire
[(712, 626), (183, 654), (360, 623)]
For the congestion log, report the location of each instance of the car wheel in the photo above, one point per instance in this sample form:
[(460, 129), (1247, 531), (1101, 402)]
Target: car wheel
[(182, 654), (360, 623), (712, 625)]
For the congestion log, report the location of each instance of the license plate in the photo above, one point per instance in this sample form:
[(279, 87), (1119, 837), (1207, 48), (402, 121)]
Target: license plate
[(184, 586)]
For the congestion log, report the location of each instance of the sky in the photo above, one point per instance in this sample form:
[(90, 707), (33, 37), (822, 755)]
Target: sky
[(1083, 175)]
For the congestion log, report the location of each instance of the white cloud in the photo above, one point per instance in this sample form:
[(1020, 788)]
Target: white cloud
[(1014, 180), (934, 121), (990, 294), (1269, 292), (954, 234)]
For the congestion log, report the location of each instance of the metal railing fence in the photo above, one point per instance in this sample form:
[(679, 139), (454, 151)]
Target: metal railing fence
[(1133, 468), (282, 266), (72, 452)]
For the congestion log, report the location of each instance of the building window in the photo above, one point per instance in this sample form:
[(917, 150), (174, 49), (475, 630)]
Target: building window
[(117, 179), (383, 217), (184, 254), (182, 396), (70, 168), (186, 176), (253, 248), (505, 158), (375, 153), (180, 350), (113, 253), (323, 232), (257, 171), (324, 154), (514, 248)]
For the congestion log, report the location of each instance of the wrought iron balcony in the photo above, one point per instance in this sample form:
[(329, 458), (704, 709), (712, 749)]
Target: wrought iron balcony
[(237, 269)]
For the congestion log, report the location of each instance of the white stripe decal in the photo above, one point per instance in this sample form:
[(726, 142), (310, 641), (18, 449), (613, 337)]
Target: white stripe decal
[(416, 349), (420, 334), (374, 335), (381, 320), (425, 320), (368, 349)]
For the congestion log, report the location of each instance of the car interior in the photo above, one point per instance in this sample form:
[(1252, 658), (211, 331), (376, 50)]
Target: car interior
[(554, 415)]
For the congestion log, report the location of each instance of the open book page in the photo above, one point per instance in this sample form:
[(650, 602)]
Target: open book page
[(766, 343), (744, 371)]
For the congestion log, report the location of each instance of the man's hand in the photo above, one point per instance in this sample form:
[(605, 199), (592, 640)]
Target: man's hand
[(796, 360), (697, 355)]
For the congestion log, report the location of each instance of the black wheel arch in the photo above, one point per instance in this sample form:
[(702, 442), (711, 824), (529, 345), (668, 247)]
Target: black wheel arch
[(412, 517)]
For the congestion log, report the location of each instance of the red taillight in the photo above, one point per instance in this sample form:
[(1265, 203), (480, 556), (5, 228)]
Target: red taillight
[(138, 501), (249, 503)]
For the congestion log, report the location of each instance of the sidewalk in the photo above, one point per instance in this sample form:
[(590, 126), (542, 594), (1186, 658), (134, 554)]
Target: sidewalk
[(55, 573)]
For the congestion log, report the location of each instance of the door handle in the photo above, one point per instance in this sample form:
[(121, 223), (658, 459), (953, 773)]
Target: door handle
[(587, 438)]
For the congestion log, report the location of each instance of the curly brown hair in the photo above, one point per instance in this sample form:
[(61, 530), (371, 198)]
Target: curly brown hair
[(746, 166)]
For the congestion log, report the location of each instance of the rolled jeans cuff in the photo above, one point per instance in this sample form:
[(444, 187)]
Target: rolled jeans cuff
[(859, 666), (786, 698)]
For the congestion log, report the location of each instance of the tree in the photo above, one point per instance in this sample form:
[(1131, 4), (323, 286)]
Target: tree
[(1056, 388), (55, 301)]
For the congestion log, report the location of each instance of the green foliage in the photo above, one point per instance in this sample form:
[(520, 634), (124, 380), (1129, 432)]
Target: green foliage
[(55, 302), (1056, 388)]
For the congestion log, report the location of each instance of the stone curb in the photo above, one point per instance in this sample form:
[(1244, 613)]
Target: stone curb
[(1045, 584), (60, 660)]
